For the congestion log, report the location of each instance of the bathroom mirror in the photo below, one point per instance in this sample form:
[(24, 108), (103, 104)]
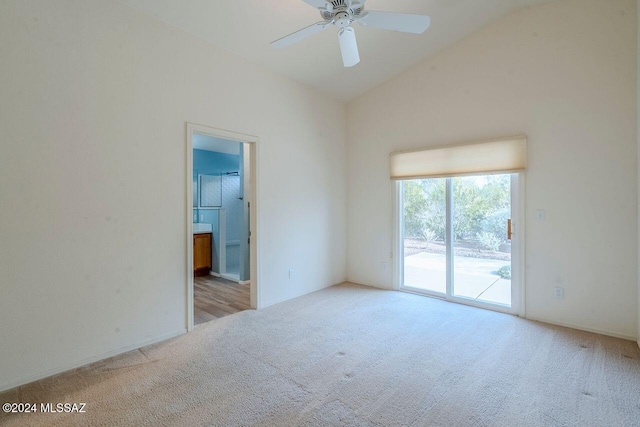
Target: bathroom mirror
[(210, 191)]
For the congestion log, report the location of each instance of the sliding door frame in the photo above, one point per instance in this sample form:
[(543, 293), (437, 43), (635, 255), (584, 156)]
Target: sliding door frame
[(517, 249)]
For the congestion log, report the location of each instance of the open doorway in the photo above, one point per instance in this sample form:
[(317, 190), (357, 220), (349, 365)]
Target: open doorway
[(221, 263)]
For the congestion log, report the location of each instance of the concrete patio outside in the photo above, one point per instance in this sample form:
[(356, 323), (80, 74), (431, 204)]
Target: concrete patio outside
[(474, 278)]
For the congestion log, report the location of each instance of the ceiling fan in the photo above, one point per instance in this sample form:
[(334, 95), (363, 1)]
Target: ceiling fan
[(343, 13)]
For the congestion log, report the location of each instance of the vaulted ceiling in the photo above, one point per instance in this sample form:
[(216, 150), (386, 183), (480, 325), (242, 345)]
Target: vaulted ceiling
[(246, 27)]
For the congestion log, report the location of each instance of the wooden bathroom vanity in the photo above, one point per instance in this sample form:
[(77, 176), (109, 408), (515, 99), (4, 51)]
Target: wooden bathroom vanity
[(202, 254)]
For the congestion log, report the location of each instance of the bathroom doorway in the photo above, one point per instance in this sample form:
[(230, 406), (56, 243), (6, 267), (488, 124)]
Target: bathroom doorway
[(221, 223)]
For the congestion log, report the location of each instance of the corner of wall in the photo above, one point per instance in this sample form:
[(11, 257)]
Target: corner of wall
[(638, 136)]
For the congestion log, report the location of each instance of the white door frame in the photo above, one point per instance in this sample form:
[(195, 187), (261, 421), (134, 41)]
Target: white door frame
[(254, 267), (517, 251)]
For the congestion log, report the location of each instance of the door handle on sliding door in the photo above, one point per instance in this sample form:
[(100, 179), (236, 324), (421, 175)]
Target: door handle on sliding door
[(509, 229)]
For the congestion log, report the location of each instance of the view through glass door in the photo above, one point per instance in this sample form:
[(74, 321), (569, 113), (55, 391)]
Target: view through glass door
[(457, 238)]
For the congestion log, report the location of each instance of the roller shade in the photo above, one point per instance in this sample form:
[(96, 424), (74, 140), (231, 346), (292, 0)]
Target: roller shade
[(504, 155)]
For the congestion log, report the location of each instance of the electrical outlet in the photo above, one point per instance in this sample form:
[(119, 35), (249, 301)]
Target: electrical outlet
[(385, 265), (290, 274), (559, 293)]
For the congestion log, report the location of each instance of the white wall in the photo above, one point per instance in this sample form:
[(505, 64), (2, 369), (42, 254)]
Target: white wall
[(564, 73), (95, 97)]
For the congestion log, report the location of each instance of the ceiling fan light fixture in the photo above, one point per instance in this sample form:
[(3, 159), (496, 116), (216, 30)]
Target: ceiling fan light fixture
[(343, 13)]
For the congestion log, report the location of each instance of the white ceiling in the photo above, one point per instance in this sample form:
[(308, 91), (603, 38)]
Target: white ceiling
[(209, 143), (246, 27)]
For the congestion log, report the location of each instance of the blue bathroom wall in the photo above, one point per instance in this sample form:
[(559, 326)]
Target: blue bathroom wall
[(212, 163)]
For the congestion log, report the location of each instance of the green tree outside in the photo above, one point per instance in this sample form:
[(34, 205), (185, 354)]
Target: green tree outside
[(481, 209)]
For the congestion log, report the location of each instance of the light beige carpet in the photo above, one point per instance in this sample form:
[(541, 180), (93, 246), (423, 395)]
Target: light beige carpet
[(356, 356)]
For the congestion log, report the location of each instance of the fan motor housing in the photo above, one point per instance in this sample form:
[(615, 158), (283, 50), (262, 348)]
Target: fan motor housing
[(341, 13), (342, 19)]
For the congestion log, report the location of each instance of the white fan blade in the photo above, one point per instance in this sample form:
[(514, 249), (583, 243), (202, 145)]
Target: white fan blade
[(318, 4), (405, 22), (348, 47), (299, 35)]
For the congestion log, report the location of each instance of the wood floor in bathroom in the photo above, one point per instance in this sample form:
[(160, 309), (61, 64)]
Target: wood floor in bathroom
[(215, 297)]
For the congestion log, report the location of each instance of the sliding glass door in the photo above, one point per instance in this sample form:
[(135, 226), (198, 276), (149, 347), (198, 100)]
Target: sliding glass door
[(425, 262), (457, 236)]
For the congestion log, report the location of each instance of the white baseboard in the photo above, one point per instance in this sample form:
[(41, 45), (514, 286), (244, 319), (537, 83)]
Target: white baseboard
[(298, 295), (245, 282), (83, 362), (584, 328), (553, 322), (384, 288), (280, 300)]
